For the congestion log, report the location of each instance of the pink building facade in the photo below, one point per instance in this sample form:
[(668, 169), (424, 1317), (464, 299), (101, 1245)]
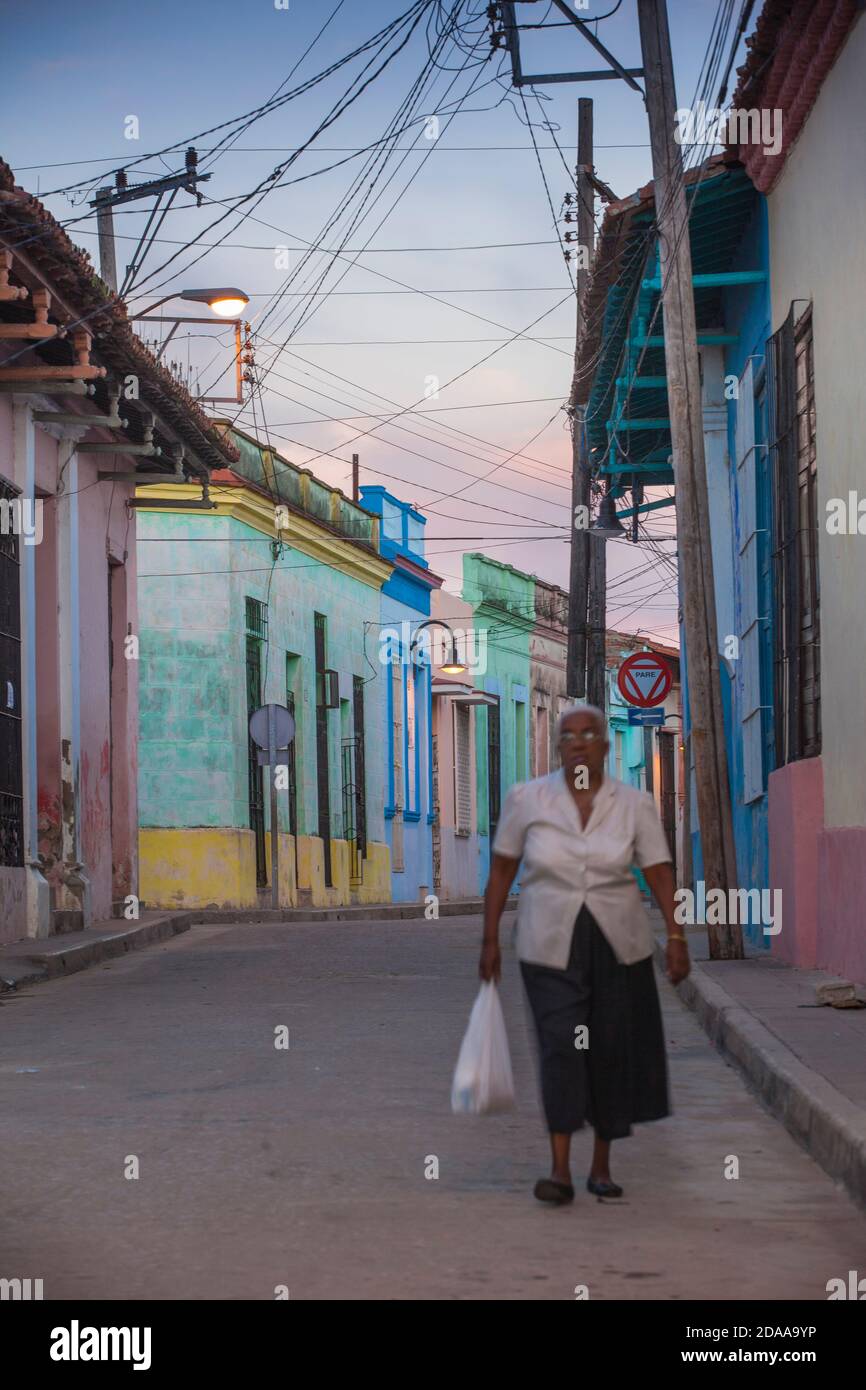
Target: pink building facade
[(808, 66), (82, 406)]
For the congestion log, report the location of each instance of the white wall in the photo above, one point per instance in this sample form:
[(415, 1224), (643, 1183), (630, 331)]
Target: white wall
[(817, 219)]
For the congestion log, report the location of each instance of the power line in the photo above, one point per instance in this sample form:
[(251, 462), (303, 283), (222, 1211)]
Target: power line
[(261, 110)]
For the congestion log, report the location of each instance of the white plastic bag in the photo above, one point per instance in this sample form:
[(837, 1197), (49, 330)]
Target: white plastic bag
[(483, 1082)]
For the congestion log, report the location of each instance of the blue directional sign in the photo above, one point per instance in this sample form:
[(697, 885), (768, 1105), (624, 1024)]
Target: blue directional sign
[(646, 716)]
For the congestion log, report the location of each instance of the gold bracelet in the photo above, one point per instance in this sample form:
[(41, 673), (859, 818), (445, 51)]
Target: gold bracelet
[(676, 937)]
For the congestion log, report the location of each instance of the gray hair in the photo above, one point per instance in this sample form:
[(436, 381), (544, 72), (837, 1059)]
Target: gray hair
[(581, 708)]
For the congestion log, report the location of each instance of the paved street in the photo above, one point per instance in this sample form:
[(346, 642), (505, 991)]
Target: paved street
[(305, 1167)]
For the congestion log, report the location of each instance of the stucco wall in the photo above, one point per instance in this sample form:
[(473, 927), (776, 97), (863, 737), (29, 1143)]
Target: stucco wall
[(817, 213), (417, 871), (194, 768), (503, 601), (460, 854), (67, 684), (795, 820)]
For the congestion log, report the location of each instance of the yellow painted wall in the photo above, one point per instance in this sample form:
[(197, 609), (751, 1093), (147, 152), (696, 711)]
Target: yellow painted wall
[(288, 896), (216, 867), (197, 868), (376, 887)]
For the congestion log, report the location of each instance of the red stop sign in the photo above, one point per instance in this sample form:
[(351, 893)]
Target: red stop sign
[(644, 679)]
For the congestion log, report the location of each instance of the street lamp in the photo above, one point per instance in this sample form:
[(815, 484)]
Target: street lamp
[(228, 303), (607, 523), (453, 666), (225, 300)]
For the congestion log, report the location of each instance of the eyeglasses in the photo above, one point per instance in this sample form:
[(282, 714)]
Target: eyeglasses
[(587, 736)]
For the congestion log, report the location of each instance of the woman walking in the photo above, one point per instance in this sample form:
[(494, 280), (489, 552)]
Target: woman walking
[(585, 945)]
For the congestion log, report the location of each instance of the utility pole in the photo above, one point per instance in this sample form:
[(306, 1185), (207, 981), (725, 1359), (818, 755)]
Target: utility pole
[(585, 663), (596, 647), (690, 475), (105, 231), (107, 199), (575, 673), (355, 478)]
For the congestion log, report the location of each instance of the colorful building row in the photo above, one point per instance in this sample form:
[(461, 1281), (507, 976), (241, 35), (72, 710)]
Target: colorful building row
[(163, 576), (495, 724), (415, 710)]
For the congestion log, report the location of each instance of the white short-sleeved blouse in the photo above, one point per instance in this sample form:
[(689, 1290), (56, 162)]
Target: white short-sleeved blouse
[(564, 866)]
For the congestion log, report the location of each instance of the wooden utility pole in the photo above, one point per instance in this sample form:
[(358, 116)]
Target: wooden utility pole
[(105, 231), (707, 732), (596, 646), (107, 199), (355, 478), (578, 581)]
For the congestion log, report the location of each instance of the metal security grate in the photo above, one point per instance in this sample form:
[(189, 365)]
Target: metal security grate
[(494, 784), (322, 763), (257, 627), (463, 769), (360, 764), (292, 771), (11, 769), (795, 526), (257, 619), (350, 809)]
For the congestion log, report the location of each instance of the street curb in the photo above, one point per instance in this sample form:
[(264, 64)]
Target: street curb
[(828, 1125), (69, 960)]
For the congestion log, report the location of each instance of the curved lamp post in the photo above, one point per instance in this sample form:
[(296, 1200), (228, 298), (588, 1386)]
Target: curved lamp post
[(453, 666)]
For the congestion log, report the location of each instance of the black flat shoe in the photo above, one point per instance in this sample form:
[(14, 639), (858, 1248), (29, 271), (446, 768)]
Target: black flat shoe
[(603, 1189), (549, 1190)]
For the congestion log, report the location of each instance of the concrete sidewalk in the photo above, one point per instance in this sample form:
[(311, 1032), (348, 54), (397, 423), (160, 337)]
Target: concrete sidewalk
[(33, 960), (807, 1062)]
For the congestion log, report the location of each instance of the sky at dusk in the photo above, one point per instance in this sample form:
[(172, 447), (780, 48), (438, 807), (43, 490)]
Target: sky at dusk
[(454, 251)]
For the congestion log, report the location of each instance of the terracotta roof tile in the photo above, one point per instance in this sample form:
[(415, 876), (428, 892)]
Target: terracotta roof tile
[(26, 223)]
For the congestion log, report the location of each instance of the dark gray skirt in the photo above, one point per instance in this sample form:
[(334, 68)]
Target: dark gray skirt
[(601, 1041)]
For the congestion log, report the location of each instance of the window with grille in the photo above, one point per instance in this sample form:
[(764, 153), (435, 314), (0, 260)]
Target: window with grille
[(293, 677), (797, 641), (256, 636), (520, 741), (11, 766), (360, 763), (494, 778), (323, 768), (411, 740), (397, 862), (542, 740), (463, 769)]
